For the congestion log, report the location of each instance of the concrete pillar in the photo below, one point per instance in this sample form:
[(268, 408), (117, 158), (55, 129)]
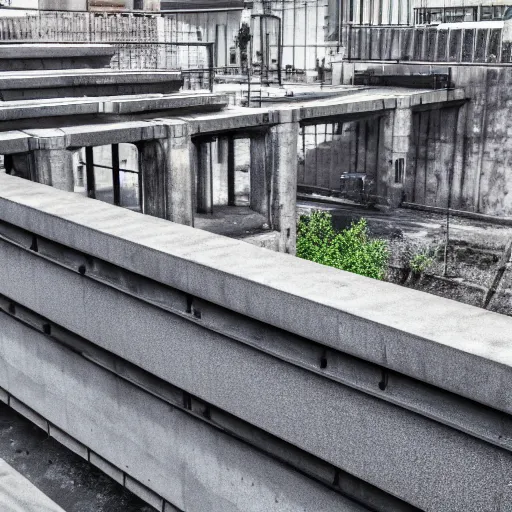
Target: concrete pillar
[(51, 162), (204, 177), (152, 163), (54, 167), (395, 137), (282, 147), (402, 136), (166, 173), (180, 175), (459, 160), (260, 183)]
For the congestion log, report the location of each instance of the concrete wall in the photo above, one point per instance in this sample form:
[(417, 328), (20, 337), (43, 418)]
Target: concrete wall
[(328, 151), (459, 152)]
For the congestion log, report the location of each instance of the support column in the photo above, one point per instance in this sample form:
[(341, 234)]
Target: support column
[(180, 176), (167, 175), (152, 166), (231, 172), (402, 135), (54, 167), (260, 183), (50, 161), (396, 145), (204, 177), (282, 146)]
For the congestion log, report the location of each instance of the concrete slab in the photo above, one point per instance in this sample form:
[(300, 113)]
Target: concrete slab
[(108, 105), (409, 456), (54, 51), (78, 83), (24, 57)]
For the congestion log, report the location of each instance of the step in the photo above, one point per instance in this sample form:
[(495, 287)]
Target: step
[(28, 85), (25, 57)]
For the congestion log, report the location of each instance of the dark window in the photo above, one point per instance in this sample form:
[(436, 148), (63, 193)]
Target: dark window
[(399, 170)]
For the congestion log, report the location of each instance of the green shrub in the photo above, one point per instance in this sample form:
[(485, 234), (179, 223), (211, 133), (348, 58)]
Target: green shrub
[(351, 249), (421, 262)]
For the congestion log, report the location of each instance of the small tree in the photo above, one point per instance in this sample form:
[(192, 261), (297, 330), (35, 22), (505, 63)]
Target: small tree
[(243, 40), (351, 249)]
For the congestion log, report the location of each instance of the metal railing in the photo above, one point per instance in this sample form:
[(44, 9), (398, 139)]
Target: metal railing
[(464, 45)]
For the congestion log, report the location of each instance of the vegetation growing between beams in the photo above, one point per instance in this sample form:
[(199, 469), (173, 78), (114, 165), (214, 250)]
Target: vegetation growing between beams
[(351, 249)]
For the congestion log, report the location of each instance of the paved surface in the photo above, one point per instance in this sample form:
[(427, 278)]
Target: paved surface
[(37, 474)]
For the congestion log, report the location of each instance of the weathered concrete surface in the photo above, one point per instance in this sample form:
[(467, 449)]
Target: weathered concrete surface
[(114, 234), (24, 57), (407, 456), (184, 460), (282, 159), (31, 85), (462, 155), (331, 314)]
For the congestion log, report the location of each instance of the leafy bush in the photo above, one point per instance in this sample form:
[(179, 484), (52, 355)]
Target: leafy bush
[(351, 249), (421, 262)]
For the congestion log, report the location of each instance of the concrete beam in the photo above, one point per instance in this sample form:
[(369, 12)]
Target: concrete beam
[(55, 51), (350, 313), (14, 142), (171, 102), (409, 456), (113, 133)]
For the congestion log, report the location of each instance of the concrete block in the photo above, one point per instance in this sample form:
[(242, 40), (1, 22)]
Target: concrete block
[(107, 468), (4, 396), (101, 134), (170, 102), (14, 142), (28, 413), (9, 112), (47, 139)]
